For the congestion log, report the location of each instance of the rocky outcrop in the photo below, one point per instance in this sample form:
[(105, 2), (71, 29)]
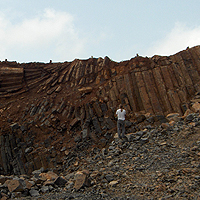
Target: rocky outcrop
[(48, 110), (155, 85)]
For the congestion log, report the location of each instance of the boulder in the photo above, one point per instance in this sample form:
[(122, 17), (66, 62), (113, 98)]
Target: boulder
[(189, 117), (82, 180), (140, 118), (49, 175), (128, 124), (60, 181), (14, 185), (44, 189), (109, 177), (34, 193), (28, 184), (196, 107)]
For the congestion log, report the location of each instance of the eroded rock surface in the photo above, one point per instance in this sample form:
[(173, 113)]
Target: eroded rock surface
[(53, 114)]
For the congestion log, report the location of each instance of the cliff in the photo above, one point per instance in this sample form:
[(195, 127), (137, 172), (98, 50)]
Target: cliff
[(48, 109)]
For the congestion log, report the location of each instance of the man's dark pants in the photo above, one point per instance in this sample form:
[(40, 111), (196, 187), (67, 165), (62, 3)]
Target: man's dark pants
[(121, 128)]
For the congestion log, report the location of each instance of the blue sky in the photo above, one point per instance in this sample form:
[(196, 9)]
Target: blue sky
[(63, 30)]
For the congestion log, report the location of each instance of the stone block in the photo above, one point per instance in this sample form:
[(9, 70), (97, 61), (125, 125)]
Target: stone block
[(151, 90), (44, 189), (60, 181), (129, 86), (189, 117), (81, 180), (110, 123), (140, 118), (97, 109), (143, 92), (112, 95), (14, 185), (34, 193), (160, 84), (49, 175), (84, 133), (128, 124), (174, 100), (196, 107), (96, 125), (50, 91), (27, 184)]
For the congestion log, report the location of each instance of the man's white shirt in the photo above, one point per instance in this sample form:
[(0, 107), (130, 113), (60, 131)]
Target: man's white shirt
[(121, 114)]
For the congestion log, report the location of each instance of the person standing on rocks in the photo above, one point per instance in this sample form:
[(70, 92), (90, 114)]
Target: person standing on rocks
[(121, 121)]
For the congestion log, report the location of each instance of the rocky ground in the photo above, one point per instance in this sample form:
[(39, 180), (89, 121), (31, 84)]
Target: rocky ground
[(157, 162)]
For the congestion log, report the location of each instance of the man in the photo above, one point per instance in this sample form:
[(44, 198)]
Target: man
[(121, 121)]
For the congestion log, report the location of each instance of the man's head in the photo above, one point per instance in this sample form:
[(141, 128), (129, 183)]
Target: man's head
[(120, 106)]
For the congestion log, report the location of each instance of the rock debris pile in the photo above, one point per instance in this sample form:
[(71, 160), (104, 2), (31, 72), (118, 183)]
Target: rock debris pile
[(160, 162)]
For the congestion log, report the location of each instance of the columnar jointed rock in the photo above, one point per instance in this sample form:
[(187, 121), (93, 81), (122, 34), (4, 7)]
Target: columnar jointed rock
[(46, 107)]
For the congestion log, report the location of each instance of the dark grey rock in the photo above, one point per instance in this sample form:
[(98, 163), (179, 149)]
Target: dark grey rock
[(110, 123), (96, 125), (39, 171), (109, 177), (150, 120), (128, 124), (104, 107), (160, 118), (34, 193), (189, 117), (77, 139), (44, 189), (84, 133), (140, 118), (60, 181)]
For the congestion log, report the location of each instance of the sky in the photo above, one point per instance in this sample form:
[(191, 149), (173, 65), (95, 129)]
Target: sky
[(64, 30)]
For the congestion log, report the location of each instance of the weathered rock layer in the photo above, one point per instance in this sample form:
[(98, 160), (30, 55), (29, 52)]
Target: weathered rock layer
[(46, 108)]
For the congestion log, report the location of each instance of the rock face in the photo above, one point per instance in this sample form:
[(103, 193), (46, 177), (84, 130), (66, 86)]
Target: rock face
[(52, 110)]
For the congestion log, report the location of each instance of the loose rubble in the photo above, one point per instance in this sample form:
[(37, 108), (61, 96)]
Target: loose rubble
[(158, 162)]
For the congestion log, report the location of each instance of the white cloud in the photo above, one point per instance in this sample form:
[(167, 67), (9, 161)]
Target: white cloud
[(178, 39), (51, 34)]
